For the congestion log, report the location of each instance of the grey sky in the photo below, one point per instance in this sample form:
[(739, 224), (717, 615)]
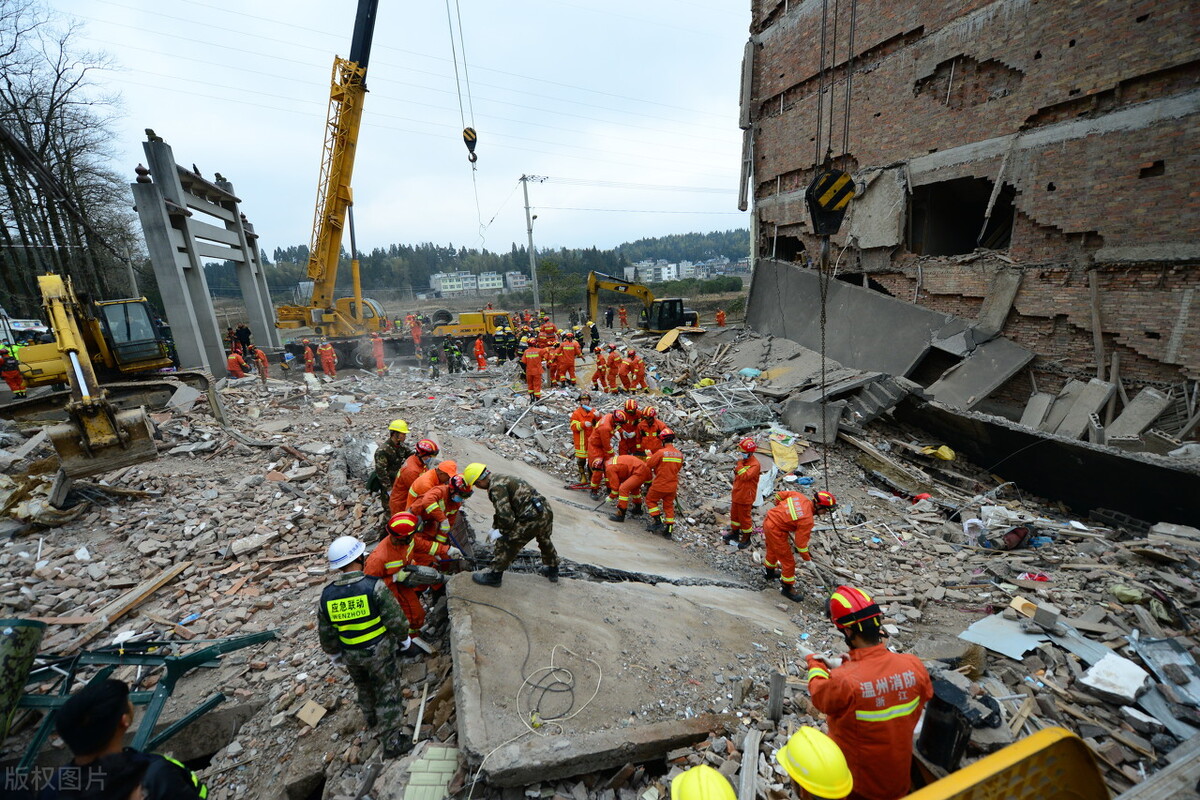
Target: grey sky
[(591, 91)]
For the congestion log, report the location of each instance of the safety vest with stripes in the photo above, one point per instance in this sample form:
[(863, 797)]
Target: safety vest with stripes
[(354, 612)]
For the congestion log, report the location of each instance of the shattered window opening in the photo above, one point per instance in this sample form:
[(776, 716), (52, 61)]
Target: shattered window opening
[(946, 217)]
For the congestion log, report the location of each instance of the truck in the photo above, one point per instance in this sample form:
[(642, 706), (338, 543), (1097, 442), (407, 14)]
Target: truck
[(658, 315)]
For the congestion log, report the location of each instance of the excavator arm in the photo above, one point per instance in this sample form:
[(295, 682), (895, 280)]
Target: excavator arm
[(598, 281)]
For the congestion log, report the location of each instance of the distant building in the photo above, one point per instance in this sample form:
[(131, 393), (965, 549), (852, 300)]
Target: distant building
[(453, 284), (631, 274), (490, 282), (516, 280)]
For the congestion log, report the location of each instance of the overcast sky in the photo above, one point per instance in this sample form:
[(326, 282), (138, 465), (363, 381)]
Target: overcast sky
[(588, 92)]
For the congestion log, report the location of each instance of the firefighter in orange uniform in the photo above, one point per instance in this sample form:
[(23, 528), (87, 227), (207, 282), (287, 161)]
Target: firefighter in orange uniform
[(872, 701), (236, 365), (328, 358), (649, 432), (600, 447), (637, 371), (568, 353), (627, 433), (480, 354), (745, 490), (416, 332), (720, 318), (791, 517), (414, 466), (583, 419), (260, 364), (310, 358), (664, 464), (430, 478), (438, 509), (10, 370), (624, 316), (532, 359), (599, 379), (626, 476), (390, 557), (377, 353)]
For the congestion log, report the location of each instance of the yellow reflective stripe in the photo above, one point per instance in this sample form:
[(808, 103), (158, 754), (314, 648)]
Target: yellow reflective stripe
[(743, 469), (432, 506), (391, 564), (674, 460), (802, 549), (358, 626), (817, 672), (791, 506), (364, 638), (885, 714)]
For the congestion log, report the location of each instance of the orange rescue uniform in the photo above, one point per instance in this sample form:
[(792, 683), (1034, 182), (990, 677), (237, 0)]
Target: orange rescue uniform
[(480, 354), (398, 499), (791, 516), (389, 558), (532, 359), (626, 475), (600, 446), (648, 432), (873, 702), (664, 464), (310, 359), (438, 514), (568, 353), (427, 480), (628, 443), (582, 422), (236, 365), (745, 489), (328, 359)]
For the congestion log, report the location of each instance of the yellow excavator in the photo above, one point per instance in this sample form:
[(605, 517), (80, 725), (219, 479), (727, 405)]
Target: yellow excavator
[(119, 337), (326, 315), (659, 315)]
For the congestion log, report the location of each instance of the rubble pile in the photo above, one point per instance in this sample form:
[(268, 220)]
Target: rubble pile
[(1071, 608)]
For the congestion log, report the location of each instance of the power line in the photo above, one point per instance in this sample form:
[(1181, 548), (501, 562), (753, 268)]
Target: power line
[(638, 210), (650, 186)]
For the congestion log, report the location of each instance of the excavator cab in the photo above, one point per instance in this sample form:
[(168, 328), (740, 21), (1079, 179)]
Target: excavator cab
[(131, 336), (668, 313)]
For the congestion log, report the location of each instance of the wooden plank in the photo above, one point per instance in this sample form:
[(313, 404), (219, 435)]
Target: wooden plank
[(1177, 780), (124, 604), (62, 620), (1018, 720), (238, 584), (748, 774)]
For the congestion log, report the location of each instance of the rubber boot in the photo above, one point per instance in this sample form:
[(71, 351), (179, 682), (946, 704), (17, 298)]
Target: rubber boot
[(551, 573), (728, 538), (744, 543), (595, 494), (790, 593), (668, 530), (656, 525), (487, 578), (636, 511), (619, 516), (769, 574)]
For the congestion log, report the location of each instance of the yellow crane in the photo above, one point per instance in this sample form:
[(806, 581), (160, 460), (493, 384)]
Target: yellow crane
[(325, 314), (659, 315)]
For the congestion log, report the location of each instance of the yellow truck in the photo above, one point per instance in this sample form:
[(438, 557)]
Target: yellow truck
[(470, 323)]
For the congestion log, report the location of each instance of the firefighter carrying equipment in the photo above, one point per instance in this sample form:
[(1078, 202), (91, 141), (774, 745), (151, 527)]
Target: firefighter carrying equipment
[(814, 761)]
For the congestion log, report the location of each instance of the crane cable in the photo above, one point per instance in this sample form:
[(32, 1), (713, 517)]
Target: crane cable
[(469, 135)]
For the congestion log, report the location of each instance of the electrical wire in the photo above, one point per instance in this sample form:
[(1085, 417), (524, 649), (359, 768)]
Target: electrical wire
[(639, 210), (649, 186)]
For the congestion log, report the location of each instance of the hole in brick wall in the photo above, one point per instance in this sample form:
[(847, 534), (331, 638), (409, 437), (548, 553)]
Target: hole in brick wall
[(946, 217), (933, 366), (1142, 18), (1050, 187), (1153, 335), (1152, 169), (963, 82), (786, 248), (1073, 92), (1069, 44), (1037, 55), (861, 279)]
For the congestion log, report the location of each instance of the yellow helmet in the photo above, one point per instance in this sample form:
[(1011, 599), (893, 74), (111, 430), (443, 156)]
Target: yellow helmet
[(474, 472), (814, 761), (399, 426), (701, 783)]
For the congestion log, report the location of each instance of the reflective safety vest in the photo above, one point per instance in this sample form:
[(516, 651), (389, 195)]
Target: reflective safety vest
[(354, 612)]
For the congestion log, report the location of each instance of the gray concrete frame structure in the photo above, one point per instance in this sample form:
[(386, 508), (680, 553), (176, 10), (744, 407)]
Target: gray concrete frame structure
[(178, 243)]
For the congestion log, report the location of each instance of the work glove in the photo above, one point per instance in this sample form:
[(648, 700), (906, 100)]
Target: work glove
[(454, 553), (494, 534), (817, 668)]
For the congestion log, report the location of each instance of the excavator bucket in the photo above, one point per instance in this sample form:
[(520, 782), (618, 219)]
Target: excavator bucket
[(86, 446)]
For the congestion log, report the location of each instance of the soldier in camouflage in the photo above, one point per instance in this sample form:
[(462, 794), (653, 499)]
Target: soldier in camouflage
[(521, 515), (389, 458), (360, 621)]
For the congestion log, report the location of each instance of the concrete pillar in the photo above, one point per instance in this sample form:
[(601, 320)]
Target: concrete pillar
[(163, 170), (253, 282)]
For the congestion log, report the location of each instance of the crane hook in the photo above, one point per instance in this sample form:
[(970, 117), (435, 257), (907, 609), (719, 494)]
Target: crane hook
[(470, 137)]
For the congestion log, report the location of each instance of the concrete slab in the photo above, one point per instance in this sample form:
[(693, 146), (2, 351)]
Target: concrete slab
[(970, 381), (634, 694), (876, 216), (806, 419), (1062, 404), (1091, 400), (1140, 413), (998, 302), (1036, 409)]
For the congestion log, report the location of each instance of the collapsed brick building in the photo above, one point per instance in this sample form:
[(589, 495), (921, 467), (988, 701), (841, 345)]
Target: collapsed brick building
[(1032, 161)]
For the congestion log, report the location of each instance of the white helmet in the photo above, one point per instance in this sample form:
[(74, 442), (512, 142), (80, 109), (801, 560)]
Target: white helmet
[(344, 550)]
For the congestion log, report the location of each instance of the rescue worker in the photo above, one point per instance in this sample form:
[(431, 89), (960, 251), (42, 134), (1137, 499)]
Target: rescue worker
[(328, 358), (627, 433), (593, 334), (816, 765), (720, 318), (414, 465), (236, 365), (599, 378), (624, 316), (359, 619), (434, 358), (550, 357), (93, 723), (260, 364), (791, 519), (568, 353), (600, 447), (381, 367), (583, 419), (701, 783), (637, 372), (649, 431), (310, 358), (389, 459), (415, 327), (613, 372), (438, 509), (10, 370), (520, 515), (626, 476), (664, 464), (608, 317), (532, 359), (449, 348), (480, 354), (872, 700), (388, 562), (745, 490), (623, 365), (442, 473)]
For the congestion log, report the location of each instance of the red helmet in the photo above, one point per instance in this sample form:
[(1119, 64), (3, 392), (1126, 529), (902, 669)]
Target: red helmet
[(649, 412), (427, 447), (458, 485), (825, 499), (852, 606), (631, 406), (748, 445), (403, 524), (667, 435), (568, 335), (619, 417), (584, 397)]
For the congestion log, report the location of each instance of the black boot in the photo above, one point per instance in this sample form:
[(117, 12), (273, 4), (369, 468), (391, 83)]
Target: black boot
[(656, 525), (636, 511), (744, 543), (668, 530), (728, 538), (595, 494), (619, 516), (551, 573), (487, 578), (771, 574), (790, 593)]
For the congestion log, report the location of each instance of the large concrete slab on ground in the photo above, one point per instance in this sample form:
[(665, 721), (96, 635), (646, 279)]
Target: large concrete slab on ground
[(970, 381), (642, 659)]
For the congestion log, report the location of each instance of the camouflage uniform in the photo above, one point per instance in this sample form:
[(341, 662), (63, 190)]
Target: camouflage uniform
[(521, 515), (372, 667), (389, 458)]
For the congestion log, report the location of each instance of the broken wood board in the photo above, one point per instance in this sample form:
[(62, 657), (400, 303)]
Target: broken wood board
[(124, 604)]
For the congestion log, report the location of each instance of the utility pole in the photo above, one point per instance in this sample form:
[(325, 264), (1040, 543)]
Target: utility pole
[(537, 298)]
